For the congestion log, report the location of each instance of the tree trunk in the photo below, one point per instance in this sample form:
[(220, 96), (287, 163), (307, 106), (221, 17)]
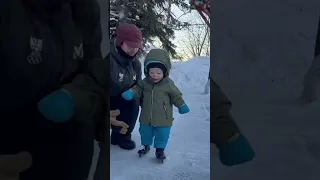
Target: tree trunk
[(169, 11)]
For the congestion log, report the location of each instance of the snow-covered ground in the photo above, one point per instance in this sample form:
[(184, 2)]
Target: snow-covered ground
[(261, 51), (188, 151)]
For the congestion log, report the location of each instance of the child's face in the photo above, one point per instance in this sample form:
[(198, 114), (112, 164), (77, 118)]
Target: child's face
[(156, 74)]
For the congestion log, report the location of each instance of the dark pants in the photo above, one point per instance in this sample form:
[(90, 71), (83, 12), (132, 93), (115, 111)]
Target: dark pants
[(129, 111), (60, 151)]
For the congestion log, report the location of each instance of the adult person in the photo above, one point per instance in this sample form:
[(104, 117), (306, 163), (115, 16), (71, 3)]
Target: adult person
[(55, 84), (125, 72), (104, 144), (309, 93), (234, 148)]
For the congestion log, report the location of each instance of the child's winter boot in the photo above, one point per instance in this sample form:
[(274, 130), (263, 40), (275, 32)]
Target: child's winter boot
[(160, 155), (144, 150)]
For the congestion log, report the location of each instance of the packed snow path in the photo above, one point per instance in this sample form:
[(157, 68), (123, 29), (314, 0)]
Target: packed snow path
[(188, 150)]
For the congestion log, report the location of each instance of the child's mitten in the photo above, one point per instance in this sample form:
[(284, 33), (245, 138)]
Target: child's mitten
[(57, 106), (183, 109), (127, 95), (236, 152)]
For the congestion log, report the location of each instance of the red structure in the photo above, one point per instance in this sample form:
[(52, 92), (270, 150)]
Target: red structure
[(203, 7)]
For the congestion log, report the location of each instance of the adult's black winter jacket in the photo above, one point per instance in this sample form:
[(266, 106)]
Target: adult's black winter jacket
[(124, 71), (43, 46)]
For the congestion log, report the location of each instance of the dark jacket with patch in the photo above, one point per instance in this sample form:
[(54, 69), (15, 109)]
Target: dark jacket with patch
[(124, 71), (57, 47)]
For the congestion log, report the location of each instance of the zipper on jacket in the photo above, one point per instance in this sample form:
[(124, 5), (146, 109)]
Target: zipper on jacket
[(58, 41), (165, 110), (151, 109)]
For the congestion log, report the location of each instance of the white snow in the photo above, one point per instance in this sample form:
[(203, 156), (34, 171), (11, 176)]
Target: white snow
[(188, 149), (261, 52), (148, 47)]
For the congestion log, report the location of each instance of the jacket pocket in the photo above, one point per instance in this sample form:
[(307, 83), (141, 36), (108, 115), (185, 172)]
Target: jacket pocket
[(165, 110)]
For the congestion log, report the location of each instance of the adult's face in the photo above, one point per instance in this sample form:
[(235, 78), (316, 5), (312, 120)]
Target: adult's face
[(131, 51)]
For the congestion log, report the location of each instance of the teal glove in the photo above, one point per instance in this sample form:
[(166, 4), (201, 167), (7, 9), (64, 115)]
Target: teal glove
[(127, 95), (236, 152), (57, 106), (184, 109)]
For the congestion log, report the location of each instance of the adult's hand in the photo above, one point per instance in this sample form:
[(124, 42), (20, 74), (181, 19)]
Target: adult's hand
[(12, 165), (115, 122)]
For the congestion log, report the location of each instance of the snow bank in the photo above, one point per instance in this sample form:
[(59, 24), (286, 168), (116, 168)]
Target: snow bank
[(191, 74)]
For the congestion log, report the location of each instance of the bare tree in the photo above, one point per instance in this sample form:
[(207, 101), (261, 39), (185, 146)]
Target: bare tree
[(196, 41)]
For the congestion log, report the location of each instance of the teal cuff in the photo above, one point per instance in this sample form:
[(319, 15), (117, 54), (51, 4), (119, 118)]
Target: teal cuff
[(57, 106)]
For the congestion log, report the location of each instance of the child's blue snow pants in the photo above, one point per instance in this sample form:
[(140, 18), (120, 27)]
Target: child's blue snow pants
[(160, 135)]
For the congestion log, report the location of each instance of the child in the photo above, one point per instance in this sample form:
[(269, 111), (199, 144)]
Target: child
[(157, 93)]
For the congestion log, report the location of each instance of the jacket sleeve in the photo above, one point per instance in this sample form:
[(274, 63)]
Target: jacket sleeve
[(223, 127), (175, 95), (138, 90), (115, 88), (138, 70), (89, 89)]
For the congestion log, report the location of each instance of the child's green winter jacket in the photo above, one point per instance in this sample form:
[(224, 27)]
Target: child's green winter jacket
[(157, 99)]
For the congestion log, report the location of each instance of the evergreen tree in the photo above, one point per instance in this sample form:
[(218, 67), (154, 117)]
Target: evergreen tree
[(153, 17)]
